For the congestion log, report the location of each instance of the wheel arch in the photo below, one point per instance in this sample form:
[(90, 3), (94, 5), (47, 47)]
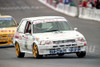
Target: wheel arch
[(16, 42), (19, 45), (35, 43)]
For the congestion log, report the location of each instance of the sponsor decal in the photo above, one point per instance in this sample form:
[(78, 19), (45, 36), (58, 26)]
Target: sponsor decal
[(53, 20), (6, 18), (13, 31), (7, 31), (17, 36), (1, 31)]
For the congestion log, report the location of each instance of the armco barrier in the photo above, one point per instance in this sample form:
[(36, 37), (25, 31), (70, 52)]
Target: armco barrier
[(66, 9), (63, 8), (88, 13), (85, 13), (72, 11)]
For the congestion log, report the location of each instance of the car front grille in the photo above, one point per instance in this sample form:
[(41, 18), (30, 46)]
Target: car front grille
[(64, 46), (3, 35), (64, 41)]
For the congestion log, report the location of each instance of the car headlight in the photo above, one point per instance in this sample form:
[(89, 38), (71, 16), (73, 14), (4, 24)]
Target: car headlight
[(46, 42)]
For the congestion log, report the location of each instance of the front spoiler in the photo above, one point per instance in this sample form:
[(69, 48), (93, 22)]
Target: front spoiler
[(6, 46)]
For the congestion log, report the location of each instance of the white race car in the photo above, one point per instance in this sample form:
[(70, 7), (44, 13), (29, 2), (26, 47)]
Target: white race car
[(48, 35)]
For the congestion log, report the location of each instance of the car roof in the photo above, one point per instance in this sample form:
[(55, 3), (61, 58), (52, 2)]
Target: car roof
[(5, 16), (43, 18)]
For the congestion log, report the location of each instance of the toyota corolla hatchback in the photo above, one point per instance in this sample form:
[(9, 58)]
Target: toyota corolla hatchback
[(48, 35)]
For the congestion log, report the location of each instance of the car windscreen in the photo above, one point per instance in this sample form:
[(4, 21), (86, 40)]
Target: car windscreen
[(52, 26), (7, 22)]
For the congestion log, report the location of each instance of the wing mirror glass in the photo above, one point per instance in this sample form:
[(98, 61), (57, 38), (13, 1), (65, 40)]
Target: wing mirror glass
[(75, 29), (17, 24)]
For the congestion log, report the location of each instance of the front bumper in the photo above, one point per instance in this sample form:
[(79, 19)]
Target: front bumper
[(44, 50), (5, 42), (6, 46)]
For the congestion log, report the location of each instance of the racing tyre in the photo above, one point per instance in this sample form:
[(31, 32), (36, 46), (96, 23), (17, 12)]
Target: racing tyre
[(60, 55), (18, 52), (35, 52), (81, 54)]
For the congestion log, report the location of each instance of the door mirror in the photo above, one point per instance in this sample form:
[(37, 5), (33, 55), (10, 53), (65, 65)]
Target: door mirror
[(17, 24), (75, 29)]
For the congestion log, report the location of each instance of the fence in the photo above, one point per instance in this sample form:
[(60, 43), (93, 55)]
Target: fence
[(85, 13)]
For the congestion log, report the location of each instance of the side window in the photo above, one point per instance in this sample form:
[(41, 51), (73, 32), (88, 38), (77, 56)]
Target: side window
[(22, 27), (28, 27)]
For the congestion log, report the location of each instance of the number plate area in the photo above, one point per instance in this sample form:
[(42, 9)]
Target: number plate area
[(75, 49), (65, 50), (57, 51)]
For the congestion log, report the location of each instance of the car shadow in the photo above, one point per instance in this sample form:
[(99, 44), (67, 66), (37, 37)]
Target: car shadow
[(64, 57)]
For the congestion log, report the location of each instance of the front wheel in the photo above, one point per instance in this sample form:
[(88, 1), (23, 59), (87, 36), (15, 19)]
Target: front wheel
[(81, 54), (35, 52), (18, 52)]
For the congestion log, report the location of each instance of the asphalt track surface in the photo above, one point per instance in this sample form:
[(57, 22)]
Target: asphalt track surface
[(31, 8)]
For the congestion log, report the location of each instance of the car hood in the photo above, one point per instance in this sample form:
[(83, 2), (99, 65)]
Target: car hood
[(8, 30), (63, 35)]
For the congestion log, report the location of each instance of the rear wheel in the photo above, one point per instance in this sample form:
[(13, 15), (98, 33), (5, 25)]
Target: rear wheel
[(35, 52), (81, 54), (18, 53)]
